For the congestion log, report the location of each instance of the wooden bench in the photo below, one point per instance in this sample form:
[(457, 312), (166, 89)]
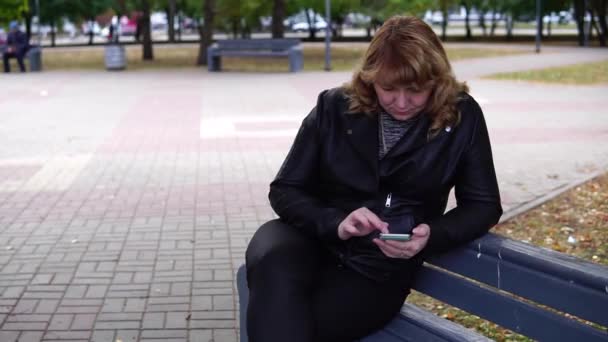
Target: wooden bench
[(289, 48), (513, 284)]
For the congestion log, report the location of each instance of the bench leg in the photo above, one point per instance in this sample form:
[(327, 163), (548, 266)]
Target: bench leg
[(241, 284), (295, 62), (214, 63)]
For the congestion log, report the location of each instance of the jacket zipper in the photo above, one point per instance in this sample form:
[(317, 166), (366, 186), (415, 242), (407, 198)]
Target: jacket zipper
[(388, 200)]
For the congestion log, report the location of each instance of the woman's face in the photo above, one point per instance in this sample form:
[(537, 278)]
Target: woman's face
[(401, 102)]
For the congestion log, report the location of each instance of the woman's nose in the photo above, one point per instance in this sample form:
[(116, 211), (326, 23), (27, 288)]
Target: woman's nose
[(402, 99)]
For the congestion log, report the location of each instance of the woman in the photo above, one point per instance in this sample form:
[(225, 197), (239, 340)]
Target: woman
[(378, 155)]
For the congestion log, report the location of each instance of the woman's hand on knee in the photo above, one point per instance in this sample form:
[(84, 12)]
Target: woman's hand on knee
[(361, 222)]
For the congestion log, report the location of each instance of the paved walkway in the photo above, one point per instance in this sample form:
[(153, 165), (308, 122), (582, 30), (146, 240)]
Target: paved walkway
[(127, 199)]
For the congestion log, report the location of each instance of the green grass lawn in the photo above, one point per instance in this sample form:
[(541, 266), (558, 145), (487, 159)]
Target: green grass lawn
[(588, 73), (553, 26), (344, 58)]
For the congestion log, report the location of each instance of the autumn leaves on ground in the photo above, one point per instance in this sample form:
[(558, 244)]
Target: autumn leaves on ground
[(574, 223)]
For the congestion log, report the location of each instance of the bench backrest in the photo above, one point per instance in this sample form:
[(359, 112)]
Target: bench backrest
[(501, 266), (257, 44)]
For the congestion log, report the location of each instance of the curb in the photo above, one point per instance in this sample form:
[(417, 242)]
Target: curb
[(548, 196)]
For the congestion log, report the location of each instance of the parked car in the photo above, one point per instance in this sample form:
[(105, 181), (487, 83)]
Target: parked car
[(303, 26), (91, 26), (562, 18), (433, 18), (69, 28), (299, 23), (357, 20)]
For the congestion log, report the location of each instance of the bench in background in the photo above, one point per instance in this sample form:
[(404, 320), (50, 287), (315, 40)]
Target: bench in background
[(290, 48), (516, 285)]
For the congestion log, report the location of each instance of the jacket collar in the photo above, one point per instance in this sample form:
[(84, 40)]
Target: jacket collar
[(414, 138), (362, 134)]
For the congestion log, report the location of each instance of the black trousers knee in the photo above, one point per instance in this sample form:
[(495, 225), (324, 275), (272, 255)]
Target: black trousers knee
[(18, 56), (300, 292)]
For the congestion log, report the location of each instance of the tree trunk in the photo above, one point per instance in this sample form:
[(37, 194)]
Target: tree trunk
[(444, 25), (91, 27), (600, 9), (338, 29), (28, 25), (235, 28), (494, 23), (495, 9), (509, 24), (52, 32), (171, 20), (206, 32), (482, 22), (579, 16), (278, 15), (148, 54), (180, 26), (593, 25), (245, 30), (466, 20), (312, 30)]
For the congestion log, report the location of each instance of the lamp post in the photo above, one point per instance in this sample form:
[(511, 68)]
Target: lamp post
[(328, 35)]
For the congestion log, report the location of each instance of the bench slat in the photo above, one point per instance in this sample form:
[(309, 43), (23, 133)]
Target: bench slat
[(251, 53), (257, 44), (502, 309), (543, 259), (541, 280), (414, 324)]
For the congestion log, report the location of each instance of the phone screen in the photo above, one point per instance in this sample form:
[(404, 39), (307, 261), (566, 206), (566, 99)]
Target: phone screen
[(396, 237)]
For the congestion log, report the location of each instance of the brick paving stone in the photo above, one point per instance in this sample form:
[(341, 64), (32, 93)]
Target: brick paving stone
[(47, 306), (61, 322), (164, 334), (31, 336), (75, 291), (83, 322), (103, 336), (29, 326)]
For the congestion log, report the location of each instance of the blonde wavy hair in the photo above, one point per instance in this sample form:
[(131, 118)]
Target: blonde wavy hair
[(406, 52)]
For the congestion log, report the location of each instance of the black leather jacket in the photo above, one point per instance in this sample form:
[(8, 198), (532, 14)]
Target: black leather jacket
[(333, 169)]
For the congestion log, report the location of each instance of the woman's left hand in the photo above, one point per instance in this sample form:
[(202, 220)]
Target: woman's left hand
[(406, 249)]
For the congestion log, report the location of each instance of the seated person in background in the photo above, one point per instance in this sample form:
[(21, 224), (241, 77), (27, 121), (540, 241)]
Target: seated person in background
[(377, 155), (16, 47)]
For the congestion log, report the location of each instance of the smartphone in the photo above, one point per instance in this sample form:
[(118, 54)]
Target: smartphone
[(396, 237)]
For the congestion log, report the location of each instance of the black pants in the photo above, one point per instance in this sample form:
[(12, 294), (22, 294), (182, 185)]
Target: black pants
[(18, 56), (299, 292)]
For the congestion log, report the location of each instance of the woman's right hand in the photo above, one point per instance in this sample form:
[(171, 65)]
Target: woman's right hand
[(361, 222)]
